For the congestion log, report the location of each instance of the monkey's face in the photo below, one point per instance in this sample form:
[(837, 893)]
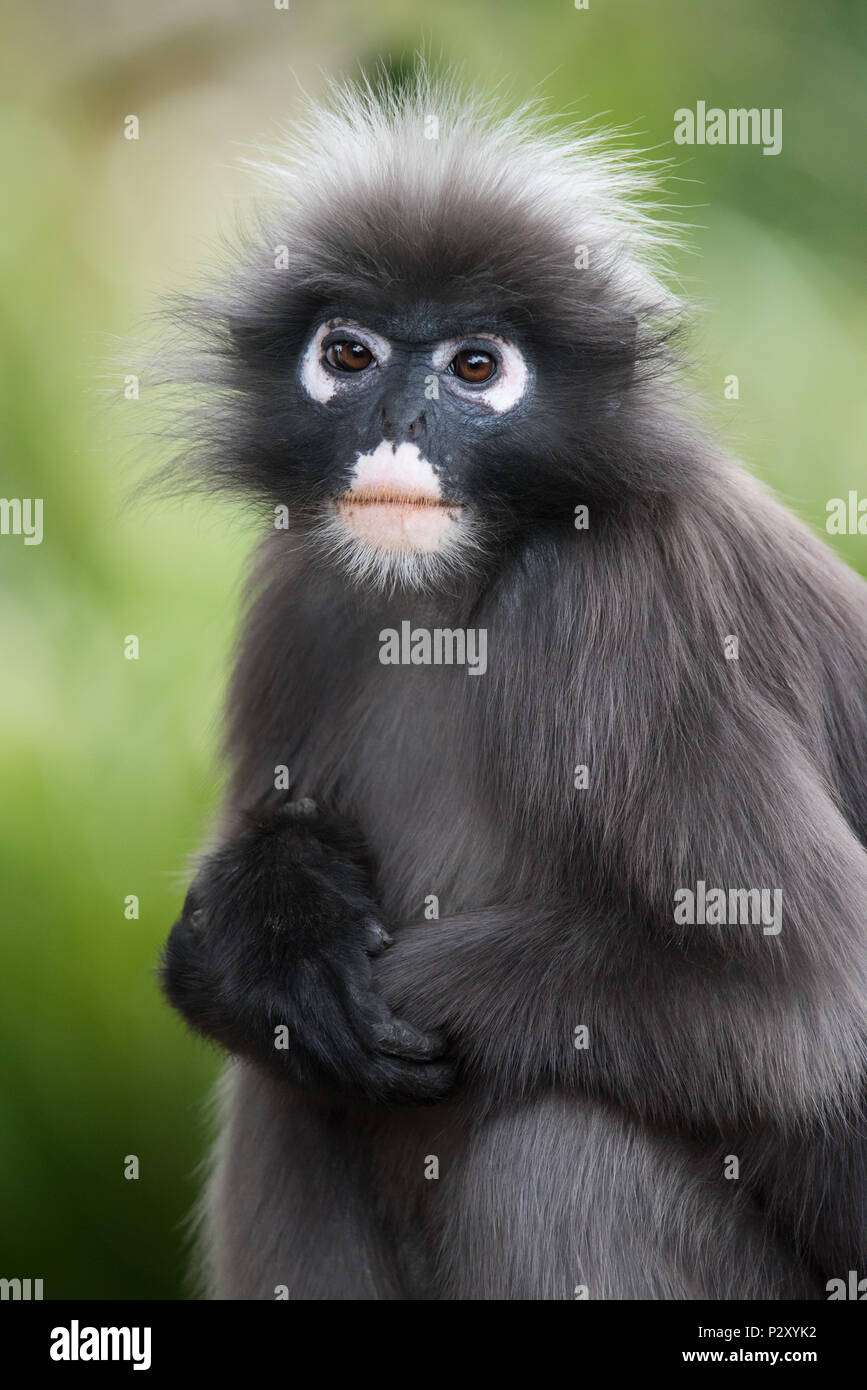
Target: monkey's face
[(413, 444), (428, 380), (410, 415), (435, 343)]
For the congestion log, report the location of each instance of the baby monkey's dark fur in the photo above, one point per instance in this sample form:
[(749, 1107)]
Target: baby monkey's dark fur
[(359, 1060)]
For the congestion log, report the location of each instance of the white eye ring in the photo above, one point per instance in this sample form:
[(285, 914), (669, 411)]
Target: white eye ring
[(320, 383), (510, 380)]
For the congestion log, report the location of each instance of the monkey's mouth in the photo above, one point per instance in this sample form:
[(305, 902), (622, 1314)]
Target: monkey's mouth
[(397, 521)]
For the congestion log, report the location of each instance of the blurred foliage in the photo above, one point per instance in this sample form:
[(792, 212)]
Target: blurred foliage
[(109, 766)]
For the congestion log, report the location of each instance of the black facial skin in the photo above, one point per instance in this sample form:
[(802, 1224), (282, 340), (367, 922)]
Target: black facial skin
[(456, 431), (558, 1166), (562, 444)]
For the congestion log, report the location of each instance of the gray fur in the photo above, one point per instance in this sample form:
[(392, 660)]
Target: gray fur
[(558, 1167)]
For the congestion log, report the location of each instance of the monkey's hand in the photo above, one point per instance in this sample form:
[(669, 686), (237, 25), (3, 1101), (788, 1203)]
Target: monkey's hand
[(271, 956)]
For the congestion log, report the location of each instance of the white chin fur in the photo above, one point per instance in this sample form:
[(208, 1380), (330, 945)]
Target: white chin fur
[(394, 502), (373, 566), (392, 526)]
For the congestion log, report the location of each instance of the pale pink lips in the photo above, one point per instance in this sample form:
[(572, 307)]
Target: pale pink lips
[(397, 520)]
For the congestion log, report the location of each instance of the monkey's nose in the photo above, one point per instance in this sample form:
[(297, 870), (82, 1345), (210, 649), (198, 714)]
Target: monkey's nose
[(397, 427), (415, 426)]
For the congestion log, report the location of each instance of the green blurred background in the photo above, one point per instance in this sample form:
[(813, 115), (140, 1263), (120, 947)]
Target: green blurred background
[(109, 768)]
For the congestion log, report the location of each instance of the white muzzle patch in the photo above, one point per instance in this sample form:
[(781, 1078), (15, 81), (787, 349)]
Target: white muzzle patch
[(394, 502)]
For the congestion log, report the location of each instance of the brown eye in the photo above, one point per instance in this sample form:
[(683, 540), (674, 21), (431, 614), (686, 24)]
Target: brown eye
[(472, 365), (348, 356)]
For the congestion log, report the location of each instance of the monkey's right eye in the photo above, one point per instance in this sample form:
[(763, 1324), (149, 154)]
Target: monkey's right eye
[(473, 366), (348, 356)]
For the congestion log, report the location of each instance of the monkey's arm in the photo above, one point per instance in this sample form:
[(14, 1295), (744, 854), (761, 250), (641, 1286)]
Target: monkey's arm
[(271, 957), (721, 1031), (693, 1025)]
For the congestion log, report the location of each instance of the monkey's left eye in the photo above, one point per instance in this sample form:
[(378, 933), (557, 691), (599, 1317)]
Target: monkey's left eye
[(472, 365), (347, 356)]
